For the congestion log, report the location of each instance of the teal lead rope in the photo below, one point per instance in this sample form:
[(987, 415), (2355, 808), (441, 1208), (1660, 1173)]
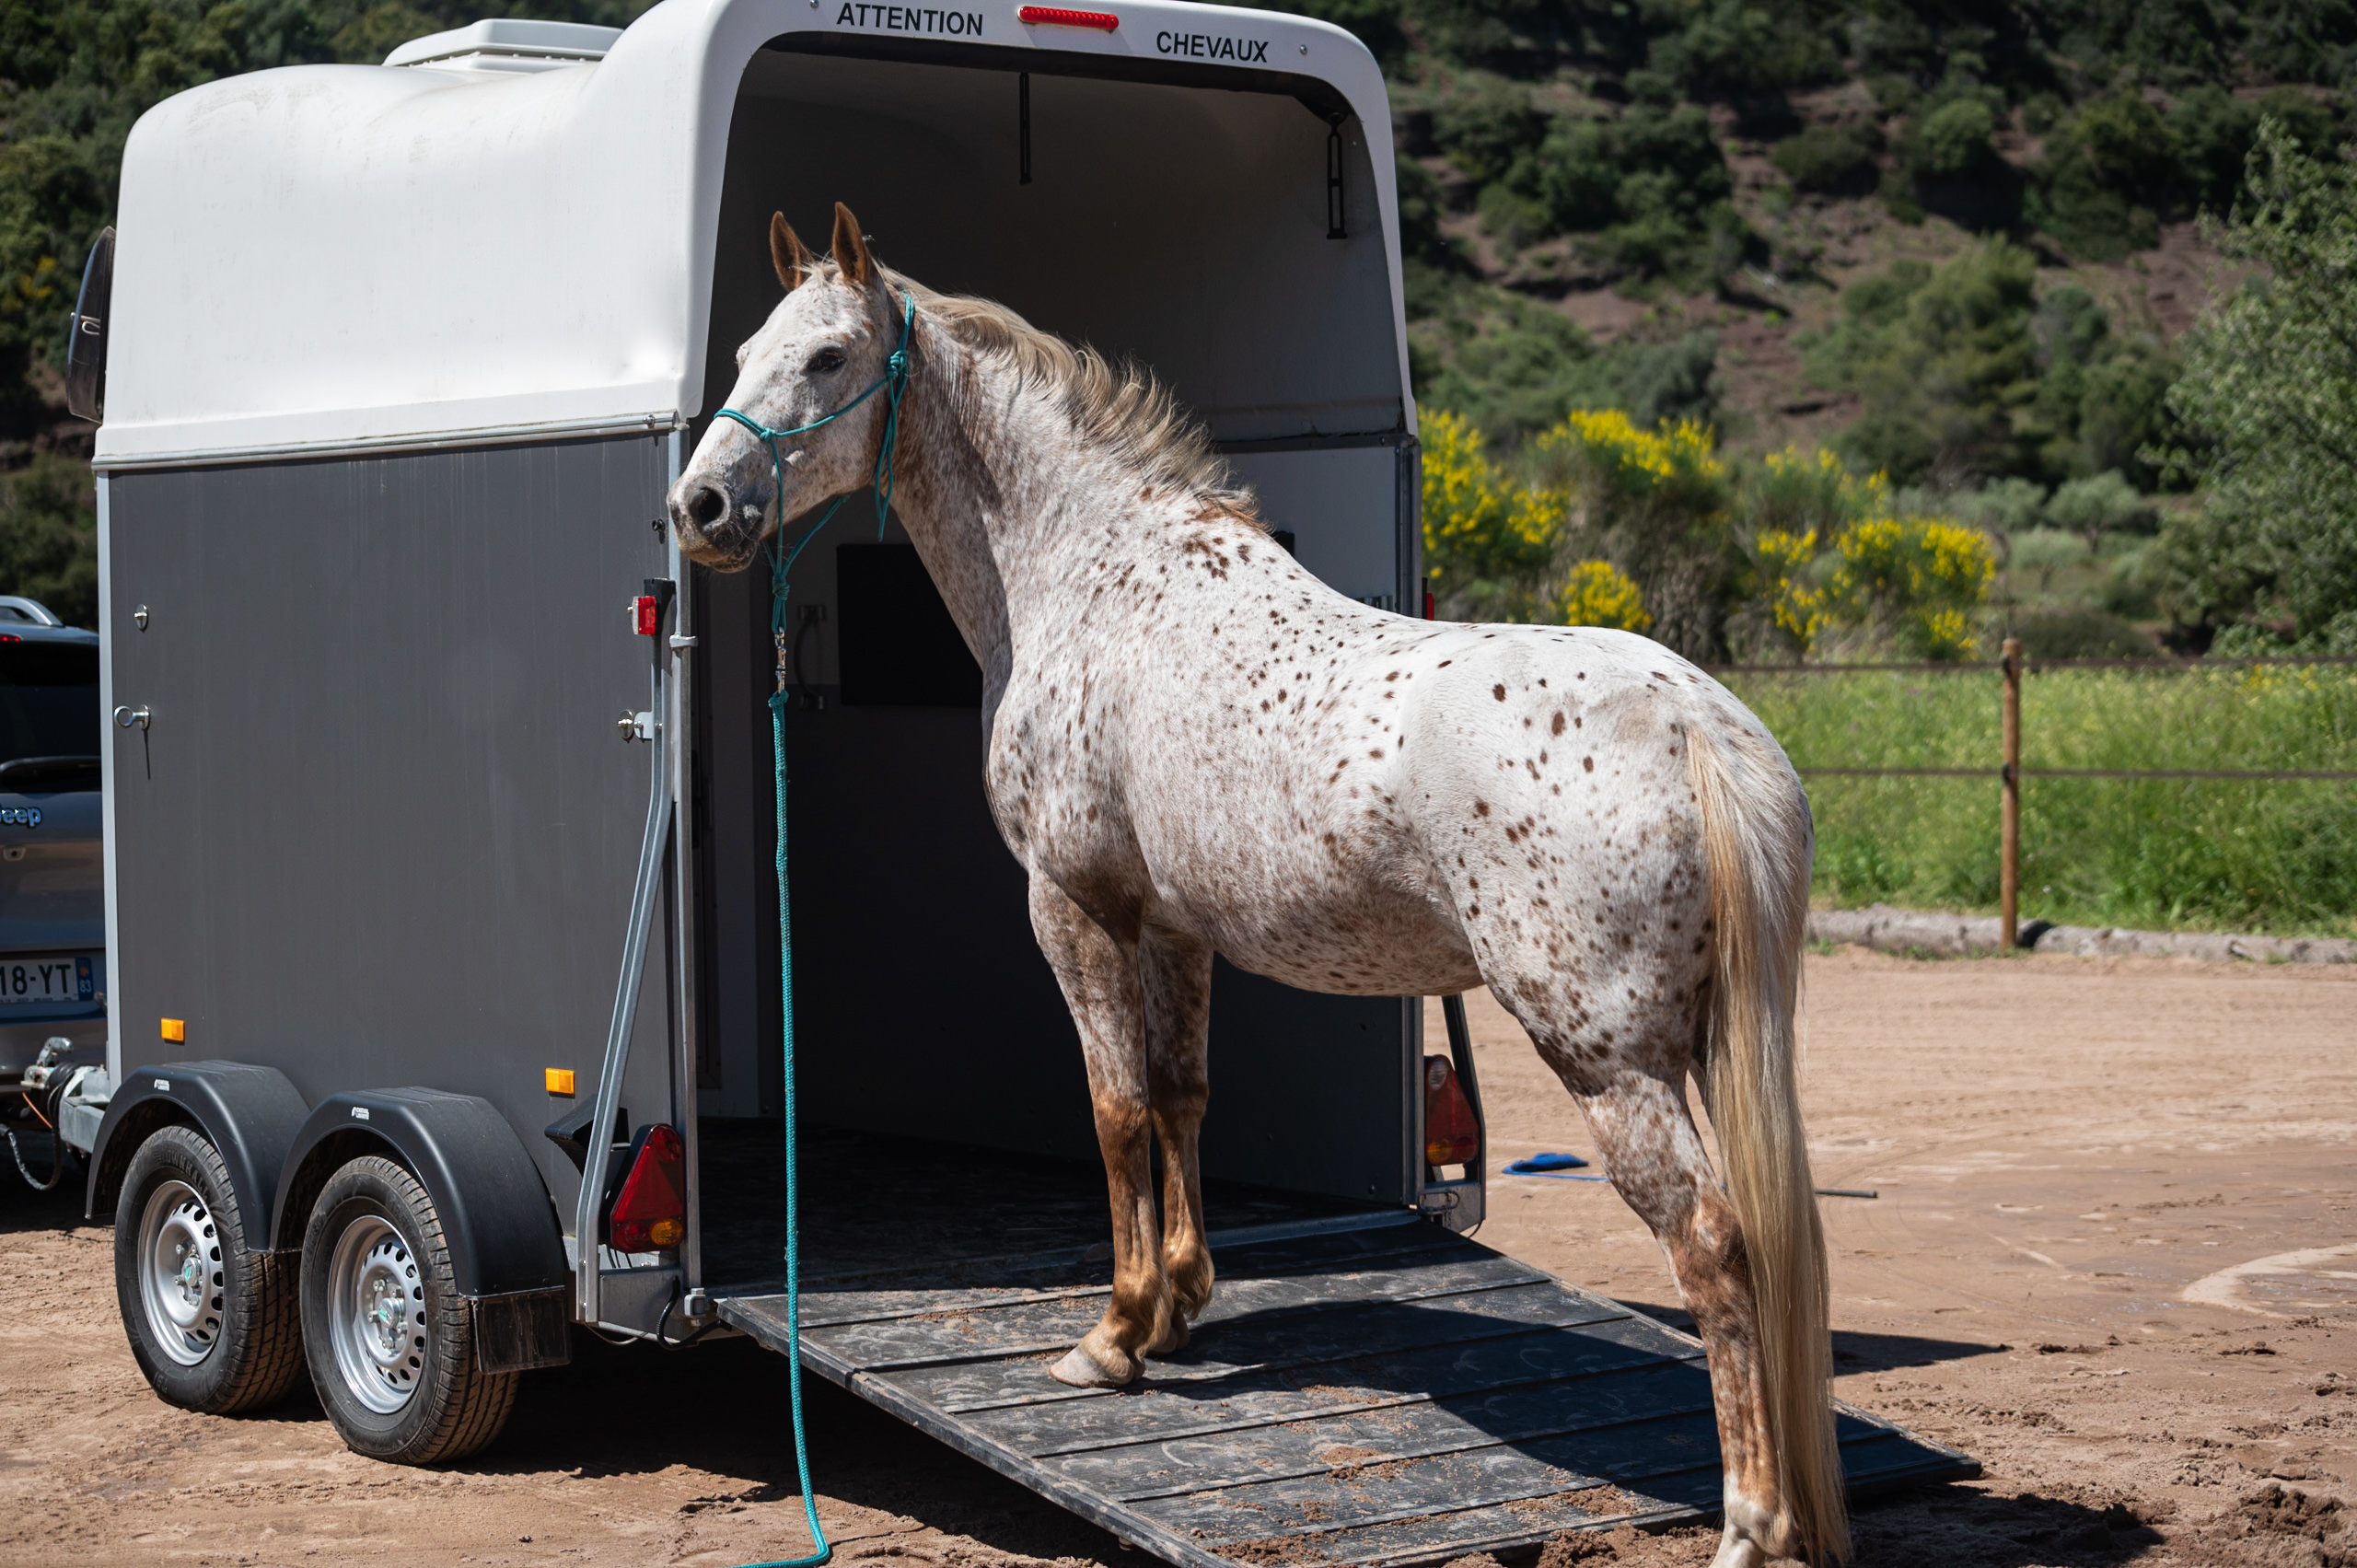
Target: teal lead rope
[(895, 381)]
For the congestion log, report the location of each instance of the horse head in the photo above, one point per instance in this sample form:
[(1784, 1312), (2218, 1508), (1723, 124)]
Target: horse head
[(826, 346)]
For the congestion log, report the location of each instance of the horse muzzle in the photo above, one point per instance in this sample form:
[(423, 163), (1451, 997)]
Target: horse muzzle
[(712, 528)]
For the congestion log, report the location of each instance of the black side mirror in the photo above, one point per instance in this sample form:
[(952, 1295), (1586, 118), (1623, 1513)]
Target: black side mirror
[(86, 348)]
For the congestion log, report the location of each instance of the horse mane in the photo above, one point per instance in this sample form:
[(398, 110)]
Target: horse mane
[(1119, 407)]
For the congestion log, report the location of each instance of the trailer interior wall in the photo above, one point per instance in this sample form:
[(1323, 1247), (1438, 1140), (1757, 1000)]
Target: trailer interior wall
[(1185, 226)]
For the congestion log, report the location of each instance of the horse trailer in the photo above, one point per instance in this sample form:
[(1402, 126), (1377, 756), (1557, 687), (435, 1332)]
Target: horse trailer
[(442, 948)]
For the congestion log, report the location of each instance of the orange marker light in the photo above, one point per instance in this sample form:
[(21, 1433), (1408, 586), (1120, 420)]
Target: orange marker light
[(175, 1030), (559, 1080)]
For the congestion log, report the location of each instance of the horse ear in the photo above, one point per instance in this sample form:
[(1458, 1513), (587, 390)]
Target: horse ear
[(851, 250), (786, 254)]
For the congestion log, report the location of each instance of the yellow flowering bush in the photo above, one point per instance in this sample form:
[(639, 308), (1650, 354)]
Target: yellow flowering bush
[(1914, 579), (1596, 593), (1798, 610), (1826, 552), (1654, 531), (1636, 459), (1478, 522)]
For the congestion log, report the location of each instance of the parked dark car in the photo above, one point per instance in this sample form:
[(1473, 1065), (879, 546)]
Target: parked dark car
[(52, 876)]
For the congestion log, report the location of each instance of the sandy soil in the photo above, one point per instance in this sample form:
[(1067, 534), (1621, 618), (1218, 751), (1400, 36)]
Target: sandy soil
[(2114, 1256)]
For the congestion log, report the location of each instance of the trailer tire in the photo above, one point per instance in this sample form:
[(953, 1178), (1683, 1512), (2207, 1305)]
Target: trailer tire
[(220, 1333), (390, 1339)]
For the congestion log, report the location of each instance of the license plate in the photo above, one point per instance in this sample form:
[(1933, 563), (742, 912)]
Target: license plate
[(33, 982)]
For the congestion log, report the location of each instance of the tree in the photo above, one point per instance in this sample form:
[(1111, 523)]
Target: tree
[(1945, 360), (2269, 399)]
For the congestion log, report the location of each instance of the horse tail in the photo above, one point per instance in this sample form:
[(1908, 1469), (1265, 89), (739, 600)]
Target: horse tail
[(1757, 842)]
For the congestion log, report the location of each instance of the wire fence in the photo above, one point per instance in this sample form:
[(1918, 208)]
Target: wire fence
[(2194, 723)]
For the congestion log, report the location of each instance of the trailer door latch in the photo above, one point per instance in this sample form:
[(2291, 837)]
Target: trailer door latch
[(635, 725)]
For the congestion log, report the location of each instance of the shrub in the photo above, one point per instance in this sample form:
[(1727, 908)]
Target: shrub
[(1914, 581), (1945, 360), (2076, 632), (1515, 367), (1653, 503), (2093, 507), (1650, 183), (2107, 171), (1827, 553), (1595, 593), (1729, 48), (1951, 142), (1480, 526), (48, 536), (2269, 400), (1827, 159), (2212, 129), (1484, 122)]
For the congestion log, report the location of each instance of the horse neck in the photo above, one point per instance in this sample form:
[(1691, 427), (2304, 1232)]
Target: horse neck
[(994, 484)]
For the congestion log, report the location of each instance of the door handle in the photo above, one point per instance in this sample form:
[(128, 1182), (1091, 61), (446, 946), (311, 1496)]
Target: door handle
[(129, 716)]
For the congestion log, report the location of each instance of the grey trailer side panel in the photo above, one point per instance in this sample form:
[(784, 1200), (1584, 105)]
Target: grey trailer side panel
[(381, 829)]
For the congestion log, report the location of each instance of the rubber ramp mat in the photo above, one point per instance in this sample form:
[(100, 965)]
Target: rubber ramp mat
[(1368, 1389)]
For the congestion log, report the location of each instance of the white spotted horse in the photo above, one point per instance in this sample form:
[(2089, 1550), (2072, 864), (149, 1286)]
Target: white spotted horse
[(1195, 747)]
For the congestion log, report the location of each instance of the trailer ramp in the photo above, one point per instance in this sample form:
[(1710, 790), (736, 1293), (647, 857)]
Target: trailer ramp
[(1364, 1388)]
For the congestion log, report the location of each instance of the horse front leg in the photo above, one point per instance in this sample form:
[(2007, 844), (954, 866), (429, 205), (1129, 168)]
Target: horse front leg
[(1099, 977), (1175, 974), (1658, 1165)]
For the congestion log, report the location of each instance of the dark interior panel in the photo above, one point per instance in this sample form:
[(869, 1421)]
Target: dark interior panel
[(899, 647)]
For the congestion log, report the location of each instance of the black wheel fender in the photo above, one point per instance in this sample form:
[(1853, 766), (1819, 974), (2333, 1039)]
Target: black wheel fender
[(250, 1115), (506, 1251)]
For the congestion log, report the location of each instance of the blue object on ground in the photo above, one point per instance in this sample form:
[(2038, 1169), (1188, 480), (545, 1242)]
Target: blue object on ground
[(1545, 1165)]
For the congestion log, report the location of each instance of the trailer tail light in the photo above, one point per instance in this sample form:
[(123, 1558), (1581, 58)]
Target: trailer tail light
[(1057, 17), (646, 615), (650, 1212), (1452, 1137)]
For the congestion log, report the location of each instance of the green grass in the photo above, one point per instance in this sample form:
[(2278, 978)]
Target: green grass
[(2189, 856)]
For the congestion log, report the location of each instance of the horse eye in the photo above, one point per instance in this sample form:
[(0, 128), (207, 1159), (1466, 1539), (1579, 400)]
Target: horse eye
[(826, 362)]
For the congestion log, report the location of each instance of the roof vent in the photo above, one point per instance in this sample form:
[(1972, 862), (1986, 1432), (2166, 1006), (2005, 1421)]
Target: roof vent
[(502, 44)]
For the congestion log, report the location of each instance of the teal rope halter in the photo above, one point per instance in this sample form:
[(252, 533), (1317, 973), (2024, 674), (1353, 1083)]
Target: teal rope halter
[(894, 382)]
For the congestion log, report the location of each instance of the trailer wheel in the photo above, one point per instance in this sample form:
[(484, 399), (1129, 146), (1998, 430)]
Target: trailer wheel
[(390, 1339), (212, 1326)]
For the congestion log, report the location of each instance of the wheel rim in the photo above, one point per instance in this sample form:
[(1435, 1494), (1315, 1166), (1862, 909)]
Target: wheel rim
[(181, 1283), (376, 1314)]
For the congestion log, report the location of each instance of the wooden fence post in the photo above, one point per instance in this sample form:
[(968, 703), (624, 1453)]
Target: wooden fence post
[(2009, 876)]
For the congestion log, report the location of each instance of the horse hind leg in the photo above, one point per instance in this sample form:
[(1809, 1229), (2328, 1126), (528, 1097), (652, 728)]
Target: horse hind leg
[(1175, 976), (1657, 1162), (1633, 1093), (1099, 978)]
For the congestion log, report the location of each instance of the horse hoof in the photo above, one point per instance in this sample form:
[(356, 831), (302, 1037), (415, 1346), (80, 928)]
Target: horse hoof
[(1172, 1340), (1080, 1369)]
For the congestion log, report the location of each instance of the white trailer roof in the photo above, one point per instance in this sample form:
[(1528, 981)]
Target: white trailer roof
[(330, 258)]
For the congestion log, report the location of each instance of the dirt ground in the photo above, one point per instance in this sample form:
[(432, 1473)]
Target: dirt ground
[(2114, 1257)]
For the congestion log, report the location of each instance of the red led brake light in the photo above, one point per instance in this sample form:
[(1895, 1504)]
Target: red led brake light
[(1057, 17), (650, 1212), (648, 611)]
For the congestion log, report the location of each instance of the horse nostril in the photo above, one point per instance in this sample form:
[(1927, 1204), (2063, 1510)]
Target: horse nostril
[(707, 506)]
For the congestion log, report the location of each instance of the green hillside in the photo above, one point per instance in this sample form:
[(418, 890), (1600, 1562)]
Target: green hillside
[(1954, 251)]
